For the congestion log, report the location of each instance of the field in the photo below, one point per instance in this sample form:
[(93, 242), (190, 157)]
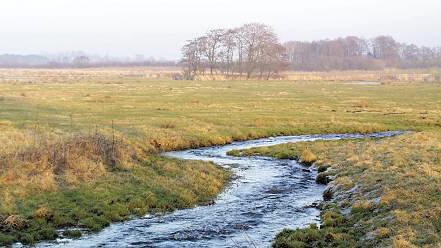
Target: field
[(65, 140)]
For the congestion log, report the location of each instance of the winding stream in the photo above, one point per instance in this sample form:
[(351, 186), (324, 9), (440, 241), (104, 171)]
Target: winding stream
[(267, 196)]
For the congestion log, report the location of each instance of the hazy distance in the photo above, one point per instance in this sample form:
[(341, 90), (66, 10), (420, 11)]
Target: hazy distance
[(160, 28)]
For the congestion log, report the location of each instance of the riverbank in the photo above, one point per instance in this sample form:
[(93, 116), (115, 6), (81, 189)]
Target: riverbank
[(383, 192), (90, 191)]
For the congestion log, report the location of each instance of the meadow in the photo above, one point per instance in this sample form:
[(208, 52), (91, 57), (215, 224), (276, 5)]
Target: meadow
[(80, 148)]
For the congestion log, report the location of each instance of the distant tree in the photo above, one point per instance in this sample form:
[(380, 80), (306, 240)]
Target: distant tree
[(387, 49)]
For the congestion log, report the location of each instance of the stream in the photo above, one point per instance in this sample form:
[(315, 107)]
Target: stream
[(266, 196)]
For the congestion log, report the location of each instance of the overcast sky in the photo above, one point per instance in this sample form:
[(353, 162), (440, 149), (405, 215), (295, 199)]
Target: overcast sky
[(159, 28)]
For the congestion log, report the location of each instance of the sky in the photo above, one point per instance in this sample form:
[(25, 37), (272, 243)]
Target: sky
[(159, 28)]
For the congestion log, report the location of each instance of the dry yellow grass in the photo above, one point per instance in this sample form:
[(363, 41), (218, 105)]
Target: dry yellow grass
[(307, 156)]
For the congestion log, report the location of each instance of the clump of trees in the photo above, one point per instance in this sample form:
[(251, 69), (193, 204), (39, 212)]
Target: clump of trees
[(250, 50), (357, 53)]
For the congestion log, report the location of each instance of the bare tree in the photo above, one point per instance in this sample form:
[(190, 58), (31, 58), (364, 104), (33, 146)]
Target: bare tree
[(210, 46), (273, 60), (257, 37), (240, 46), (191, 58), (228, 51)]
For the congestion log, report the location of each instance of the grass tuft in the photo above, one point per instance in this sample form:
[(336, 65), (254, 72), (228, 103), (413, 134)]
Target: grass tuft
[(307, 157)]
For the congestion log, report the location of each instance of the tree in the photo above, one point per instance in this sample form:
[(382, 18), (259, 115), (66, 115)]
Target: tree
[(387, 49), (272, 60), (240, 47), (210, 46), (191, 58), (257, 37)]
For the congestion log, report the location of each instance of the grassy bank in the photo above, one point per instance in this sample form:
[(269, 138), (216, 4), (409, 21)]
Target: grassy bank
[(89, 191), (384, 192), (71, 134)]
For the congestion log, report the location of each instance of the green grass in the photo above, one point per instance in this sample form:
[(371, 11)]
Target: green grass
[(41, 118), (157, 185)]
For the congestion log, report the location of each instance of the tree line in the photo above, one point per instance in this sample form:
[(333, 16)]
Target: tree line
[(357, 53), (79, 60), (254, 50)]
